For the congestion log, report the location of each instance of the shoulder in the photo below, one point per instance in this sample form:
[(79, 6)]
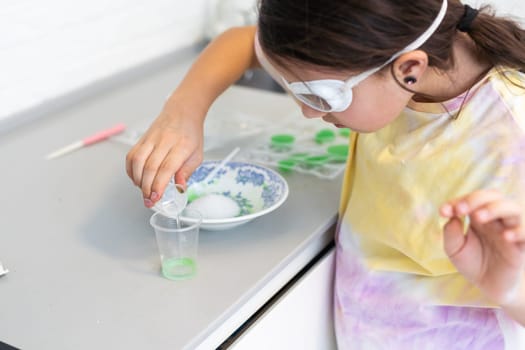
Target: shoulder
[(508, 80), (509, 86), (509, 83)]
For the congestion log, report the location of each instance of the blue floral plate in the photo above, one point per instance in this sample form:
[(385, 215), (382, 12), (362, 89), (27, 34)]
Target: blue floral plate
[(257, 191)]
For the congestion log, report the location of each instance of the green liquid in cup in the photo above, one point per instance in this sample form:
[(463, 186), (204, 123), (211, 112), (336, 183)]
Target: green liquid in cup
[(178, 268)]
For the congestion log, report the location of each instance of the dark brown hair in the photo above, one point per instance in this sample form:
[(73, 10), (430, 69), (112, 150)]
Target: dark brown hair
[(356, 35)]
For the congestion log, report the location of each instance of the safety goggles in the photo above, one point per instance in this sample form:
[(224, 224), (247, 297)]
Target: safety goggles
[(330, 95)]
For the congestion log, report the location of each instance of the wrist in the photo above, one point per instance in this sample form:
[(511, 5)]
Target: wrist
[(514, 306), (517, 295), (179, 103)]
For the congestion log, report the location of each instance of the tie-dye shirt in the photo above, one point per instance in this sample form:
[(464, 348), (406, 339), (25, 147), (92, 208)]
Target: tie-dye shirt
[(395, 287)]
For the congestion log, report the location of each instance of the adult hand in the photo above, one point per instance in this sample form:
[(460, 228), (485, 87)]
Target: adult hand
[(491, 254), (172, 146)]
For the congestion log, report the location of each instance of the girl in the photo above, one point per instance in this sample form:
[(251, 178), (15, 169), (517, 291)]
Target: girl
[(430, 243)]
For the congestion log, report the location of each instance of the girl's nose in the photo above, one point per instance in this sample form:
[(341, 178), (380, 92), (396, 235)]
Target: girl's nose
[(310, 112)]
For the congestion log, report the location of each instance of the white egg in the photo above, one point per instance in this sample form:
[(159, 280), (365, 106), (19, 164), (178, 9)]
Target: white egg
[(215, 206)]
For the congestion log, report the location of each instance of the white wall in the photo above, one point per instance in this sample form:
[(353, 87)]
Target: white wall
[(52, 47), (512, 7)]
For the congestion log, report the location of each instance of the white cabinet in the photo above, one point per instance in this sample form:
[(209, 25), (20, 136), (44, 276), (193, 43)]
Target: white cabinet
[(301, 319)]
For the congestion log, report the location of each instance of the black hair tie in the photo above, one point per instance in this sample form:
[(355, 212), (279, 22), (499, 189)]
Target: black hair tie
[(466, 21)]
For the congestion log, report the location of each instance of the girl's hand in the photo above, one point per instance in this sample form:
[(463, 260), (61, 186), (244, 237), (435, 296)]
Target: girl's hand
[(171, 146), (491, 254)]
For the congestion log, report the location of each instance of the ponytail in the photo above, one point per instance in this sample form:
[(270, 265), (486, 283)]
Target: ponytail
[(500, 41)]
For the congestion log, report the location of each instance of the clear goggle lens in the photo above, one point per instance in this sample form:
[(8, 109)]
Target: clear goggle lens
[(325, 95), (314, 101)]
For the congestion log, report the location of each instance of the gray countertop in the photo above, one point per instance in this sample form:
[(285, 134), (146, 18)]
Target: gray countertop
[(83, 262)]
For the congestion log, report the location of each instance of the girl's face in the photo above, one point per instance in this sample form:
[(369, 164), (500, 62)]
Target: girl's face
[(377, 100)]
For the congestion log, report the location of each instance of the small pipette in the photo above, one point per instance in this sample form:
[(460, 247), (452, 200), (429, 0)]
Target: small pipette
[(173, 201), (97, 137)]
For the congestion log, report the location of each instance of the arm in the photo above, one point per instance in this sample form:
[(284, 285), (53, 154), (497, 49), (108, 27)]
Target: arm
[(221, 64), (173, 143), (491, 254)]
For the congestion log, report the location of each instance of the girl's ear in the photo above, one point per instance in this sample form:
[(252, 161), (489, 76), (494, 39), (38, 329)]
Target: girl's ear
[(410, 66)]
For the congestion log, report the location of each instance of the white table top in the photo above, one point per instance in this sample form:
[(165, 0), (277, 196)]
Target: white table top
[(82, 258)]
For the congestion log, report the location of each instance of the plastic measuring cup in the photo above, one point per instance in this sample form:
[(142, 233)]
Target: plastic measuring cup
[(177, 240)]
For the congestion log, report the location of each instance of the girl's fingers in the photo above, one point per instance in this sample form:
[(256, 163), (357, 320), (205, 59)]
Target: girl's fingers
[(170, 164), (515, 236), (471, 202), (447, 210), (188, 167), (485, 206), (137, 159), (507, 211), (149, 172), (129, 166), (465, 205), (511, 221), (454, 238)]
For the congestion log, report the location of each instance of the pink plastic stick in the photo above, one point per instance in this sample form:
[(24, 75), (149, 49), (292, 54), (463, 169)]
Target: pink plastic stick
[(104, 134)]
